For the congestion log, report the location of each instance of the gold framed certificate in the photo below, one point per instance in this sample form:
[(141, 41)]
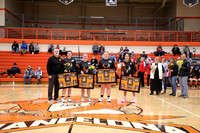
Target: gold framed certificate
[(130, 84), (106, 75), (66, 80), (86, 81)]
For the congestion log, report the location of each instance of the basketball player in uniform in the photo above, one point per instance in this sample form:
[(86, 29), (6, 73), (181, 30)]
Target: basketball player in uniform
[(103, 64), (83, 68), (72, 68), (129, 71)]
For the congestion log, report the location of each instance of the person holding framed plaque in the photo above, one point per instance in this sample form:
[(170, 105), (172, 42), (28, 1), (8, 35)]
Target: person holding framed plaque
[(105, 62), (70, 66), (128, 69), (83, 68)]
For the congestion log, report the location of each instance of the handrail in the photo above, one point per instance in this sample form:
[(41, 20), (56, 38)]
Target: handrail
[(99, 35)]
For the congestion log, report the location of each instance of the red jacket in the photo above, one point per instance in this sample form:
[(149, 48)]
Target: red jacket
[(142, 66), (148, 69), (102, 49), (133, 59), (159, 49)]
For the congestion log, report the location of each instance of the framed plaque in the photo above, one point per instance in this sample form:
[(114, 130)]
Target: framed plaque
[(106, 75), (129, 84), (66, 80), (86, 81)]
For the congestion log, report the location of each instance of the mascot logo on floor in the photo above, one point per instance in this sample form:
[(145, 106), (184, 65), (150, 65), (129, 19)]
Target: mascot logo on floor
[(38, 113)]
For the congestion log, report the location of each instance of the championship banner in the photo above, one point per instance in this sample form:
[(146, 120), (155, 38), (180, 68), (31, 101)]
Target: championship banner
[(66, 80), (86, 81), (129, 84), (106, 75)]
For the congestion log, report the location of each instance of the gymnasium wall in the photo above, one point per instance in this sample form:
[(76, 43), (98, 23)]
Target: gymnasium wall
[(2, 13)]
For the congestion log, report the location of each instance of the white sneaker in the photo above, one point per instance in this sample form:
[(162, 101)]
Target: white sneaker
[(89, 100), (109, 100), (100, 99), (69, 99), (50, 101), (82, 99), (63, 99)]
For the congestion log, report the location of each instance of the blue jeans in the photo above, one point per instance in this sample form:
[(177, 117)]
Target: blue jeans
[(172, 81), (184, 85), (95, 52), (29, 78), (17, 49), (164, 83), (101, 52)]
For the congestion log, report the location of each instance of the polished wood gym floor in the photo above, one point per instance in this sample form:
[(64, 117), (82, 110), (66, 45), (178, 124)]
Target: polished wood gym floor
[(22, 103)]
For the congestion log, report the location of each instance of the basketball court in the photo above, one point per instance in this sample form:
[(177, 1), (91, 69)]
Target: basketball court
[(26, 109)]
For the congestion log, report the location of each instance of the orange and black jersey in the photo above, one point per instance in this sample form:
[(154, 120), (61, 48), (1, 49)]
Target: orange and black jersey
[(130, 68), (72, 64), (83, 66), (106, 63)]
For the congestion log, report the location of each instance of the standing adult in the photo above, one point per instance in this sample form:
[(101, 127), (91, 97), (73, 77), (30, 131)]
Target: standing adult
[(164, 81), (156, 76), (141, 71), (83, 68), (184, 73), (54, 67), (71, 62), (106, 63)]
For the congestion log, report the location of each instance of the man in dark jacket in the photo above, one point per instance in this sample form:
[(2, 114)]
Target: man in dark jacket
[(184, 73), (15, 47), (14, 70), (54, 67), (176, 50)]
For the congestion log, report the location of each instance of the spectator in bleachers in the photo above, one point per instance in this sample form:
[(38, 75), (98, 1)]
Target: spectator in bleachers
[(50, 48), (31, 48), (194, 74), (15, 47), (189, 60), (141, 71), (121, 49), (184, 73), (24, 47), (36, 48), (29, 73), (126, 50), (176, 50), (113, 57), (63, 52), (14, 70), (164, 81), (57, 47), (95, 49), (94, 61), (133, 54), (173, 69), (101, 49), (186, 50), (160, 51), (133, 58), (144, 54), (121, 56), (38, 74)]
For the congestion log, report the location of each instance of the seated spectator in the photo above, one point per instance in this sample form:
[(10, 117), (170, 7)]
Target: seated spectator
[(37, 48), (95, 49), (63, 52), (176, 50), (38, 74), (194, 76), (14, 70), (31, 48), (144, 54), (94, 61), (113, 57), (133, 58), (15, 47), (160, 51), (121, 49), (101, 49), (148, 60), (126, 50), (121, 56), (29, 73), (50, 48), (189, 60), (186, 50), (57, 47), (133, 54), (24, 47)]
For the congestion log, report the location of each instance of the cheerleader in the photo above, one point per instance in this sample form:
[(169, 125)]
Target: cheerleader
[(83, 68), (130, 70), (71, 62), (103, 64)]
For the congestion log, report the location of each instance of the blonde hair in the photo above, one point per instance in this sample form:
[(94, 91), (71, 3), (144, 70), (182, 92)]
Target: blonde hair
[(106, 52), (157, 58)]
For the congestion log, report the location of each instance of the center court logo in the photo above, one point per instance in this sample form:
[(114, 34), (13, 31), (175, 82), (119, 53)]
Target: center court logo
[(38, 113)]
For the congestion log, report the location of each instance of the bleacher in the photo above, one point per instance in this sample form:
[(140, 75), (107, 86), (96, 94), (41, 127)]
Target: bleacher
[(23, 61)]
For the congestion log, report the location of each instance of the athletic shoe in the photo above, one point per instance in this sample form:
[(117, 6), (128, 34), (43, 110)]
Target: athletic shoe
[(57, 100), (82, 99), (69, 99), (171, 94), (181, 96), (109, 100), (184, 96), (151, 94), (134, 100), (50, 101), (89, 100), (63, 99), (123, 100), (100, 99)]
